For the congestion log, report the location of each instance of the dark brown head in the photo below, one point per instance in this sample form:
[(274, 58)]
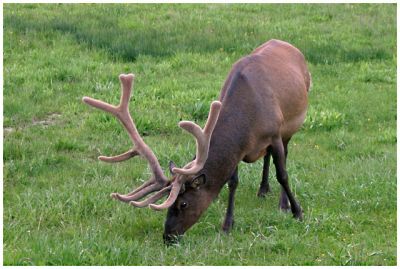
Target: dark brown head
[(193, 199)]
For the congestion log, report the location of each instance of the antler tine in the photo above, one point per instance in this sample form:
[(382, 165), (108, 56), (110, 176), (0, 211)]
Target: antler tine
[(141, 187), (173, 194), (203, 137), (157, 196), (158, 180), (138, 193), (119, 158)]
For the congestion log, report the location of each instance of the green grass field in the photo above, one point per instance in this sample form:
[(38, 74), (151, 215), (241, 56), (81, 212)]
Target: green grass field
[(342, 164)]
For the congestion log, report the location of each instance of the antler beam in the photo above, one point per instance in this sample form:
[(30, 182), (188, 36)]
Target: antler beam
[(203, 137), (158, 180)]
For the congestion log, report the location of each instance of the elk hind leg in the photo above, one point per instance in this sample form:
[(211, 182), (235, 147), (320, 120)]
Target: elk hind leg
[(278, 156), (283, 200), (264, 185)]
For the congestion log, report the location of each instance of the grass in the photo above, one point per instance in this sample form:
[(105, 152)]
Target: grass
[(342, 164)]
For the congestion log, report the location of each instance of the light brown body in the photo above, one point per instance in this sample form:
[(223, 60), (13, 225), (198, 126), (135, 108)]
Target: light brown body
[(264, 102), (275, 81)]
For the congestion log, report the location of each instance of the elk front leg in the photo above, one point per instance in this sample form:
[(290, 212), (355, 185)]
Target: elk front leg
[(264, 185), (232, 184), (278, 156)]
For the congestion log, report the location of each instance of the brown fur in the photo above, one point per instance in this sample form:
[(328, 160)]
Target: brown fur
[(264, 102)]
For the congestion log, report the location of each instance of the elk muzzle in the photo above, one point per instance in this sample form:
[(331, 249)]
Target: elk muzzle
[(171, 239), (171, 235)]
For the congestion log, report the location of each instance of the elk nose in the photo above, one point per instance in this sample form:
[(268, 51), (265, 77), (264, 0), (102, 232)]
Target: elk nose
[(170, 239)]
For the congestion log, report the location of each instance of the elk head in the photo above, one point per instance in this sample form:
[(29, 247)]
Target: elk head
[(187, 197)]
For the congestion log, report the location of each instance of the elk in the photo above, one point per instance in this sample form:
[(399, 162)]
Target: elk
[(263, 102)]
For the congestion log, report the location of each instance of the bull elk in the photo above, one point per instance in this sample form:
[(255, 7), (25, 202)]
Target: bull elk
[(263, 102)]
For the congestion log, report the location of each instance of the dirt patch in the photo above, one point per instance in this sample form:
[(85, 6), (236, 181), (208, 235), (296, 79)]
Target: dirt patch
[(51, 119), (7, 130)]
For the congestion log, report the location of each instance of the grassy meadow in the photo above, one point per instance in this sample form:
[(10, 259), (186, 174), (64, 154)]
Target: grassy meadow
[(341, 164)]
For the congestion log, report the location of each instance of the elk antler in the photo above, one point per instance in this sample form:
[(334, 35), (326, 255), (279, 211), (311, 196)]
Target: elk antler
[(158, 180), (202, 137)]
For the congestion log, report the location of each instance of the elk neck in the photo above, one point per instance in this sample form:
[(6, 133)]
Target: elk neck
[(224, 155)]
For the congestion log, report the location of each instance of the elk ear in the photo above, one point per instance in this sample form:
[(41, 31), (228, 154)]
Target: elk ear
[(198, 181), (171, 167)]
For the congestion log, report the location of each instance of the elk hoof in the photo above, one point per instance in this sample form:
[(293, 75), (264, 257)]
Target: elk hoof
[(284, 207), (284, 204), (262, 192), (228, 225), (298, 215)]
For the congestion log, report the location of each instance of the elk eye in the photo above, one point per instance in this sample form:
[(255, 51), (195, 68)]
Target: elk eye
[(183, 205)]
